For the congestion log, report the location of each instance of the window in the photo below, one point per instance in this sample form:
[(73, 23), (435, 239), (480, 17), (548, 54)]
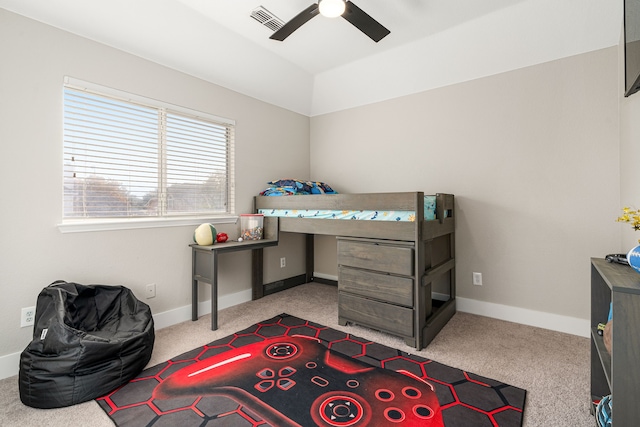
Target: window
[(128, 157)]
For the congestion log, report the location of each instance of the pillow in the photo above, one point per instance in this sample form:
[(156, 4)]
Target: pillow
[(293, 185), (302, 187), (277, 191), (318, 187)]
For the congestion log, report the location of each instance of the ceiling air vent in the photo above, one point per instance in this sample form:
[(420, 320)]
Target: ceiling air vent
[(267, 18)]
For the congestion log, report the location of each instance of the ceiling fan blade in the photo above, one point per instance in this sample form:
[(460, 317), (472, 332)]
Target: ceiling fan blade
[(296, 22), (365, 23)]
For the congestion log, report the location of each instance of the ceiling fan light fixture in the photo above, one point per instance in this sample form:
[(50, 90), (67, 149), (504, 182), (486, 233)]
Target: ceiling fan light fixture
[(331, 8)]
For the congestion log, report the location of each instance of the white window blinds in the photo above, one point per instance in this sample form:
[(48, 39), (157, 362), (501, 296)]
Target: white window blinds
[(126, 157)]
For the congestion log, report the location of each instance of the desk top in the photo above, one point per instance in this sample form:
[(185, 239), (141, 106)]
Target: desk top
[(230, 246)]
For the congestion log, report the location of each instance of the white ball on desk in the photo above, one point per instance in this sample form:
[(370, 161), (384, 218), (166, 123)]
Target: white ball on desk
[(205, 234), (239, 239)]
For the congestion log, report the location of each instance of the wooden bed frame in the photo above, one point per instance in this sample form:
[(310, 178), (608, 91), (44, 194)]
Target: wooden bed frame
[(388, 271)]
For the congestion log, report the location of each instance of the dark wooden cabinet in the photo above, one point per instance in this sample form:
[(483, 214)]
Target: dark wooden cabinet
[(386, 285), (617, 373), (375, 284)]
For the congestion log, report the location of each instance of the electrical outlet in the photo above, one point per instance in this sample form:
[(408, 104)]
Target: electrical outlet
[(151, 290), (27, 316), (283, 262), (477, 279)]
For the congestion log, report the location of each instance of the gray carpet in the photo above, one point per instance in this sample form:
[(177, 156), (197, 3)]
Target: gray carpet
[(553, 367)]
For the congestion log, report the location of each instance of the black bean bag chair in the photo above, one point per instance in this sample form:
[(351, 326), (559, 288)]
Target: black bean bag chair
[(87, 341)]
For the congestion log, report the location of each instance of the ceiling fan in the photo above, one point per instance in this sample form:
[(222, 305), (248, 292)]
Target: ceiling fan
[(333, 8)]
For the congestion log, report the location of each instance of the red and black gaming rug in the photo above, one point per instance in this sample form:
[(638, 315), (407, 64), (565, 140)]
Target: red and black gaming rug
[(287, 371)]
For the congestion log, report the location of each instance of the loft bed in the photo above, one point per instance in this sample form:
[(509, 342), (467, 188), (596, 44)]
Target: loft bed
[(396, 264)]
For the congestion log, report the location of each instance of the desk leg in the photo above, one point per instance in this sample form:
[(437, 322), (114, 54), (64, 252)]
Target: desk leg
[(257, 273), (194, 287), (310, 258), (214, 292)]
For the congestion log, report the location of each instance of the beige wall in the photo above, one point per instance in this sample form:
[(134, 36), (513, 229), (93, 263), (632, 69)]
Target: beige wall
[(270, 142), (532, 157), (629, 155)]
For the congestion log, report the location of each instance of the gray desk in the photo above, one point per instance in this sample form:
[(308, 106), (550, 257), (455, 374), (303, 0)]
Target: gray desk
[(205, 265)]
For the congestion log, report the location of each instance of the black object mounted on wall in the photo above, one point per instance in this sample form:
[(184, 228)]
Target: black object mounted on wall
[(631, 46)]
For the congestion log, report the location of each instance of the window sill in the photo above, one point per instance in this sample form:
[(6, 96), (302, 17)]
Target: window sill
[(82, 226)]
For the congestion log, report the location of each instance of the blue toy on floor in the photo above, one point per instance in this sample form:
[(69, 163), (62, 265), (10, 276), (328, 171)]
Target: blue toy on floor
[(603, 412)]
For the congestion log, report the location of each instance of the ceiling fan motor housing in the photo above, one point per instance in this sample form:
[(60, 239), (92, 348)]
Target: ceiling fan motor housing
[(352, 13)]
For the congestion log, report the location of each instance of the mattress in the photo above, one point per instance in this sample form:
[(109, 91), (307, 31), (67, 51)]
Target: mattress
[(360, 215)]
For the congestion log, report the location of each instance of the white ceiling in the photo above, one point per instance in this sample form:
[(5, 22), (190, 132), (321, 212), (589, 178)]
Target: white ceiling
[(328, 64), (325, 43)]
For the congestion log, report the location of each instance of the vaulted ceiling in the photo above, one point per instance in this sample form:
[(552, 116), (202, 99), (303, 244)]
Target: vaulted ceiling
[(328, 64)]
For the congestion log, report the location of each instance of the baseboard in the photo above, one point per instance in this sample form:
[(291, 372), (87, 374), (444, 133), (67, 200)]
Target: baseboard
[(554, 322), (539, 319), (182, 314), (9, 363), (281, 285), (325, 279)]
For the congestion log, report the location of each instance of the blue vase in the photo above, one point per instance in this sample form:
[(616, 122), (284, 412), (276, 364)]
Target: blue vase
[(633, 257)]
